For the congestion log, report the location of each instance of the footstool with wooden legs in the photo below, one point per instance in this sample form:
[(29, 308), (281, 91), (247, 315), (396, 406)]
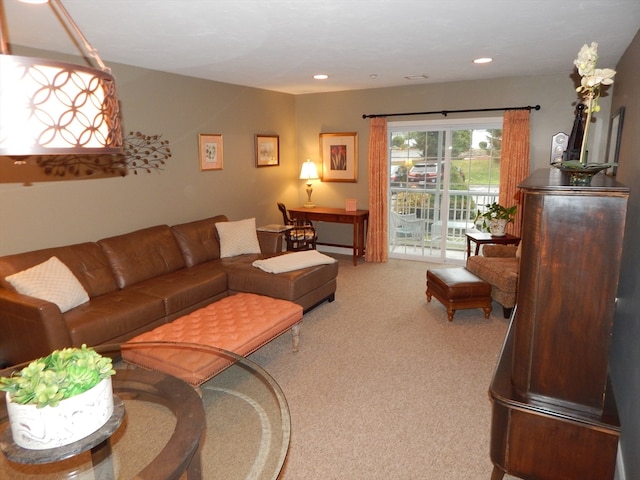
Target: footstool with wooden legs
[(457, 288)]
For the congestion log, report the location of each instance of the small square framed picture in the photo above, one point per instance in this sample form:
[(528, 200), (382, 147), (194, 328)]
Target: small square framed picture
[(210, 151), (267, 150)]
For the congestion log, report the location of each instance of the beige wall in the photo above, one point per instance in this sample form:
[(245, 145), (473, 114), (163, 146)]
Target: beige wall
[(342, 112), (36, 214)]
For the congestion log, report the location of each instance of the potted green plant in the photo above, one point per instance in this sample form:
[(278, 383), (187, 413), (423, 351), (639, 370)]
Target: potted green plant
[(60, 398), (495, 218)]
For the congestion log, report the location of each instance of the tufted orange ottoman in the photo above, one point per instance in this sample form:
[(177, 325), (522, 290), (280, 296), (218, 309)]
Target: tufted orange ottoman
[(240, 323)]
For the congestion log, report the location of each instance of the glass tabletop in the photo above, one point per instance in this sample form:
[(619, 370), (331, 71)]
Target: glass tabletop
[(245, 435)]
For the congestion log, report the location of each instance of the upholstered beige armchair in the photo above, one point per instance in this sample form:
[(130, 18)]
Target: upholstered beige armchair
[(498, 265)]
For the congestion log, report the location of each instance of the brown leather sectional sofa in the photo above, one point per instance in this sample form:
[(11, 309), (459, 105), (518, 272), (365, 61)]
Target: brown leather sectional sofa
[(139, 280)]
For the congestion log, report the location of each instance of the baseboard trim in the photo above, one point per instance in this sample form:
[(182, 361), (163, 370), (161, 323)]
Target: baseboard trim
[(338, 250)]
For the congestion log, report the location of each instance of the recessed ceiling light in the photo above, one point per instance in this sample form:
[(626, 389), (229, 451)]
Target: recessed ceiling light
[(321, 76), (416, 77), (483, 60)]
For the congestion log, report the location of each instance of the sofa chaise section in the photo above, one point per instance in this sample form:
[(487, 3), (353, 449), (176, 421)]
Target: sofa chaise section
[(307, 287)]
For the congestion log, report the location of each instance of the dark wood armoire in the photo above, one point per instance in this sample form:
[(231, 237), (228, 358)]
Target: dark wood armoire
[(553, 414)]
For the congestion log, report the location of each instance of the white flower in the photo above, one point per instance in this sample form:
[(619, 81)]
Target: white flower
[(587, 58), (592, 77), (599, 76)]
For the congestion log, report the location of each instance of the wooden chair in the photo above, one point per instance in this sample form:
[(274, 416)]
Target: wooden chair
[(302, 235)]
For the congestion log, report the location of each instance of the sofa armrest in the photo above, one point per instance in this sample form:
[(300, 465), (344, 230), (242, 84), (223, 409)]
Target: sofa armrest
[(31, 328), (270, 242), (504, 251)]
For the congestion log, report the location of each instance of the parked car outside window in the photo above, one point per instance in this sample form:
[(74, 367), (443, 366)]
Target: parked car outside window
[(423, 174)]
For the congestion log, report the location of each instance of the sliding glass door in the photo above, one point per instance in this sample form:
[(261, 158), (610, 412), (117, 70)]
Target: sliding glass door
[(439, 174)]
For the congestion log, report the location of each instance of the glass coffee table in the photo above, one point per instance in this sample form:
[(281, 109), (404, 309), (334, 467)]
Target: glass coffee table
[(234, 426)]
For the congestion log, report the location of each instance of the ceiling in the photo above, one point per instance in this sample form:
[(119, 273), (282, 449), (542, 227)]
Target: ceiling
[(280, 44)]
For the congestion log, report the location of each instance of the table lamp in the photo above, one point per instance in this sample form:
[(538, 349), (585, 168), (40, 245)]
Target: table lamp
[(308, 173)]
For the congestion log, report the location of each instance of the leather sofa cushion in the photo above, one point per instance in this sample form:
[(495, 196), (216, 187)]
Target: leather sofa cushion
[(115, 317), (87, 262), (143, 254), (183, 288), (199, 240)]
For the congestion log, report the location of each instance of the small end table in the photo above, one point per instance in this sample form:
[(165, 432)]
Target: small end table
[(482, 238)]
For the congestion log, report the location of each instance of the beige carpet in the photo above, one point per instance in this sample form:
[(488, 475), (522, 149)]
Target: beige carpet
[(383, 387)]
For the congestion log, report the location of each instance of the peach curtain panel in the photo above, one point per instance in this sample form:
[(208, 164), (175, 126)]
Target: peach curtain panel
[(377, 247), (514, 162)]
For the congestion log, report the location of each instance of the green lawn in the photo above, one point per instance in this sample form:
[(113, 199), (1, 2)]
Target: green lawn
[(479, 171)]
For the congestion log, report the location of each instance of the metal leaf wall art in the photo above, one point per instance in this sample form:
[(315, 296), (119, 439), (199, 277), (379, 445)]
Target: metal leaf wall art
[(141, 152), (145, 152)]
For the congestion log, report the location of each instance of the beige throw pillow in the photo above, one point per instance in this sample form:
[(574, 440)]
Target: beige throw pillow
[(238, 238), (52, 281)]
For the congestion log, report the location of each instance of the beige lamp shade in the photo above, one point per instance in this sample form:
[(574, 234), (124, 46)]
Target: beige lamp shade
[(309, 171)]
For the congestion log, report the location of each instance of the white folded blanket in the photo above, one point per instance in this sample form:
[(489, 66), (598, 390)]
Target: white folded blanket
[(293, 261)]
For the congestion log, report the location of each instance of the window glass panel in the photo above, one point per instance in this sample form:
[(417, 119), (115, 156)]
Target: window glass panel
[(440, 173)]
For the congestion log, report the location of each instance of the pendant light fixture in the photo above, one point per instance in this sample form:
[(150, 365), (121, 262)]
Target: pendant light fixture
[(51, 108)]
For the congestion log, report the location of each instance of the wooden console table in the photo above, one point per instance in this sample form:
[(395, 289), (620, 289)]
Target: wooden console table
[(358, 219)]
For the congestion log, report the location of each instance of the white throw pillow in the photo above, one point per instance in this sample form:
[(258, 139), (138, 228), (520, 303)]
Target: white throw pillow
[(238, 238), (52, 281)]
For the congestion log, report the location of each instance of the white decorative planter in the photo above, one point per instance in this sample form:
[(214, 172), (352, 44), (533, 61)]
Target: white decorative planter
[(73, 419), (497, 226)]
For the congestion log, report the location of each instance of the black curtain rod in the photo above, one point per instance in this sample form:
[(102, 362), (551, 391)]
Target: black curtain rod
[(447, 112)]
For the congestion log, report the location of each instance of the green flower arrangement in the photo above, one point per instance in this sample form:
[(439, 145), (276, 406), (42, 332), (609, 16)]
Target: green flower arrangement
[(61, 374)]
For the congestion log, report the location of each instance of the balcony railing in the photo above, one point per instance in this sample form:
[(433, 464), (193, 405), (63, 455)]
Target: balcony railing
[(416, 218)]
